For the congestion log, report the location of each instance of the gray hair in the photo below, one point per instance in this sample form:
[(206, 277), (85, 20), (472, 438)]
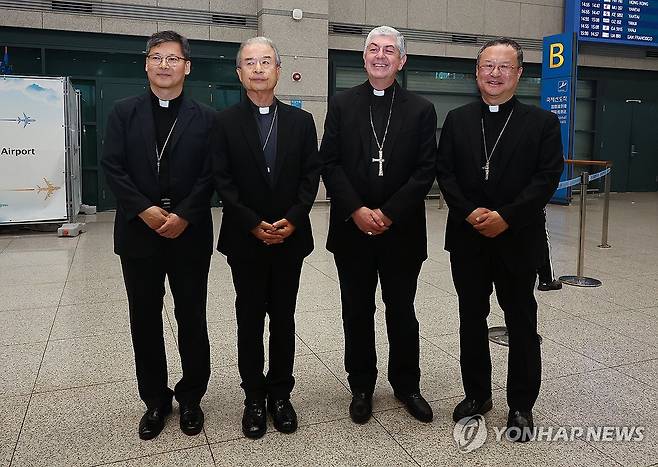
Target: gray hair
[(387, 31), (258, 40), (503, 41), (168, 36)]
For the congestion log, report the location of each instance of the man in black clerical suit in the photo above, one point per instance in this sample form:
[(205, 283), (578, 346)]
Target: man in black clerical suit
[(266, 170), (156, 159), (499, 163), (379, 153)]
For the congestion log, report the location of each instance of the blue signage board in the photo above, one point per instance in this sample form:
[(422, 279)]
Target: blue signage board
[(296, 103), (558, 93), (630, 22)]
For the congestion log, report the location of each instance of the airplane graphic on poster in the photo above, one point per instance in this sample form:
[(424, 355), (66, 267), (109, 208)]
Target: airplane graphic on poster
[(25, 120), (48, 189)]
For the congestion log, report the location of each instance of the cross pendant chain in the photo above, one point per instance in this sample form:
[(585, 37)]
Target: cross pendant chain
[(374, 133), (487, 154), (159, 154), (381, 163)]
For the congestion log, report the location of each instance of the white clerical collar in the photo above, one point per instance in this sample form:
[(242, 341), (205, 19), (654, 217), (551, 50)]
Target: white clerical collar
[(494, 108), (164, 104), (263, 110), (378, 92)]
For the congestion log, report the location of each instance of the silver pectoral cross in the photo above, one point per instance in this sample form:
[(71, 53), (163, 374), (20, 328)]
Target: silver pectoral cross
[(485, 167), (381, 163)]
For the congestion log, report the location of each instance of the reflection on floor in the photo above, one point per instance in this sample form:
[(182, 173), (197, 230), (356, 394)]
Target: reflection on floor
[(69, 393)]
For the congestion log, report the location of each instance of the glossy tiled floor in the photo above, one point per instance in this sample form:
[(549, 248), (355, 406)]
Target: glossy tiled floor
[(68, 392)]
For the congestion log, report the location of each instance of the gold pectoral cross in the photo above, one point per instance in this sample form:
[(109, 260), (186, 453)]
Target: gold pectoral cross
[(381, 163)]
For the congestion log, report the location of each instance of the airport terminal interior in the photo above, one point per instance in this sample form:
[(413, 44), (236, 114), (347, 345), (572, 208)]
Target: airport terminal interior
[(68, 387), (69, 392)]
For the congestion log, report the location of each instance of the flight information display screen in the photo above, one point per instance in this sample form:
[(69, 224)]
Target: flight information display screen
[(633, 22)]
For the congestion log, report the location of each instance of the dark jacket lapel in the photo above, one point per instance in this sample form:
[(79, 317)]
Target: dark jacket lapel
[(473, 128), (398, 116), (283, 138), (186, 112), (508, 143), (251, 136), (144, 111), (365, 130)]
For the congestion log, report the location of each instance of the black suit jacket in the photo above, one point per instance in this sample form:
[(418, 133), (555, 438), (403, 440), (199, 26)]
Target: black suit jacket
[(523, 177), (129, 162), (249, 195), (410, 158)]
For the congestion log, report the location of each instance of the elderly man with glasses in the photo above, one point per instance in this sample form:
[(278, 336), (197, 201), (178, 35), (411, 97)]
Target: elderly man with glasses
[(499, 163), (156, 160), (267, 172)]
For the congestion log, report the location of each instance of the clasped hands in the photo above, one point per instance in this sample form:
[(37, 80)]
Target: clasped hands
[(165, 224), (488, 223), (275, 233), (371, 221)]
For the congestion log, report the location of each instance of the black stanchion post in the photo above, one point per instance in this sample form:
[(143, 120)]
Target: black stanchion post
[(606, 211), (579, 280)]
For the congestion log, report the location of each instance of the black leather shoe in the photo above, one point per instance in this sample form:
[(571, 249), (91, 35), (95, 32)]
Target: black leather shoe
[(361, 407), (283, 415), (153, 421), (470, 407), (191, 419), (417, 406), (550, 285), (520, 427), (254, 419)]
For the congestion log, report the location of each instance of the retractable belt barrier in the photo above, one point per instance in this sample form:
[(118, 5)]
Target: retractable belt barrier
[(579, 280), (606, 191), (499, 334), (576, 181)]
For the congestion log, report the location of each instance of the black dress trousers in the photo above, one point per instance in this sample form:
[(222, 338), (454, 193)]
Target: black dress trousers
[(474, 276), (358, 285), (269, 286), (188, 280)]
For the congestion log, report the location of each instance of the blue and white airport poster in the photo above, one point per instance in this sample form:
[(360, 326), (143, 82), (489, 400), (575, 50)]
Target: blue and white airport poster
[(32, 150)]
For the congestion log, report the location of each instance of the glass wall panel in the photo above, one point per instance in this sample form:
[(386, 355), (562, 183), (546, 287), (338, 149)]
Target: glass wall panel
[(585, 89), (225, 97), (90, 153), (585, 115), (582, 147), (529, 87), (444, 103), (348, 77), (23, 61), (206, 69), (441, 82), (530, 100), (87, 99), (101, 64)]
